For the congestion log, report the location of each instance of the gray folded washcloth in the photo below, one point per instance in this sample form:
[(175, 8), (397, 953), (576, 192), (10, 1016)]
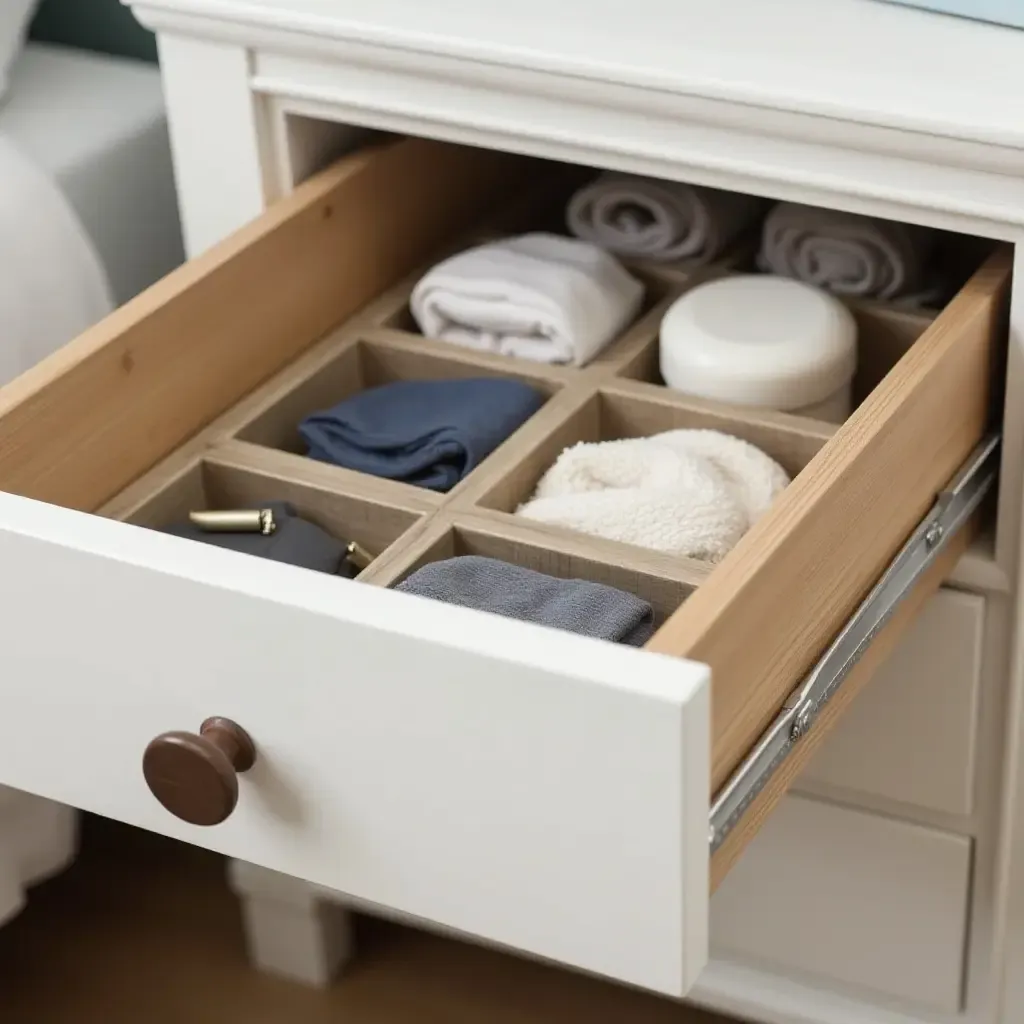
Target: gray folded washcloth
[(577, 606)]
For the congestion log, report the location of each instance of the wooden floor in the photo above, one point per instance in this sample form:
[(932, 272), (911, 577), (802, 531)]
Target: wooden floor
[(143, 930)]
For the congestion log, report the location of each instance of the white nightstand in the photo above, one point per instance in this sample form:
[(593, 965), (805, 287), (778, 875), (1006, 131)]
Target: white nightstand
[(889, 888)]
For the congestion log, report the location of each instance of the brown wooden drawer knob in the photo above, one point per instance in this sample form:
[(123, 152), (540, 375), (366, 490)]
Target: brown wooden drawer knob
[(196, 776)]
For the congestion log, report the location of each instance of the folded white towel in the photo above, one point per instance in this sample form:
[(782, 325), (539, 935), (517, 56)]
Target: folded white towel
[(646, 218), (692, 493), (537, 296), (849, 254)]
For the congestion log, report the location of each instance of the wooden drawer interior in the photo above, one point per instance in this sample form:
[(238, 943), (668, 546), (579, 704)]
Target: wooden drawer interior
[(189, 396)]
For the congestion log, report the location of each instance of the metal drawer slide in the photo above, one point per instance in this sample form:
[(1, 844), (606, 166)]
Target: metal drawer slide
[(948, 515)]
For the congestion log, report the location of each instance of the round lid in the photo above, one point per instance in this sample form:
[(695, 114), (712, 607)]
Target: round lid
[(758, 340)]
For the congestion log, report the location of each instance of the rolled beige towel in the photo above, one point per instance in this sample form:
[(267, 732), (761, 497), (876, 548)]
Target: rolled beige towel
[(849, 254), (647, 218)]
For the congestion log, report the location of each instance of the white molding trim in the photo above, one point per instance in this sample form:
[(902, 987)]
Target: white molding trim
[(936, 77), (746, 147)]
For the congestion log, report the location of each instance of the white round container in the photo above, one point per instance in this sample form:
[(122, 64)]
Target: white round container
[(762, 341)]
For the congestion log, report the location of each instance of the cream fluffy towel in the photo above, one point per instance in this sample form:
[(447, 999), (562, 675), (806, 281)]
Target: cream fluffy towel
[(646, 218), (684, 492), (537, 296), (848, 254)]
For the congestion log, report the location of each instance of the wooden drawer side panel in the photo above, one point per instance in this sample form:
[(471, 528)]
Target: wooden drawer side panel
[(84, 423), (773, 605)]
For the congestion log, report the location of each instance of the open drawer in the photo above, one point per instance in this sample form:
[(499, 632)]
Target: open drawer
[(538, 789)]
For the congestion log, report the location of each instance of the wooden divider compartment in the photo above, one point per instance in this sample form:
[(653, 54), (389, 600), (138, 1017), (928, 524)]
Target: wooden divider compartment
[(542, 208), (618, 395), (885, 334), (665, 587), (361, 364), (608, 412), (223, 480), (661, 288)]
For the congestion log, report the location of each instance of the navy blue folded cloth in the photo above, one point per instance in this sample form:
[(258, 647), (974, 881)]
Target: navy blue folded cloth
[(430, 433)]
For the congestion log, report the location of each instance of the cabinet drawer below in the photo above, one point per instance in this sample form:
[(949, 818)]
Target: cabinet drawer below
[(850, 898), (910, 736)]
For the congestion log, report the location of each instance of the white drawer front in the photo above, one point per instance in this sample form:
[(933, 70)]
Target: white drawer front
[(849, 897), (910, 736), (532, 787)]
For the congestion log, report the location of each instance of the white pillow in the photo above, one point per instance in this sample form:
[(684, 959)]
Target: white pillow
[(14, 18)]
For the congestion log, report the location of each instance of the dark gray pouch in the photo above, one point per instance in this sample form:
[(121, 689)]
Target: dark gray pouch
[(295, 540)]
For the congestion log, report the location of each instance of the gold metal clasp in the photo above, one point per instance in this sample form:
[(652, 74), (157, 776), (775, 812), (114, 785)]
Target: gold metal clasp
[(358, 555), (258, 520)]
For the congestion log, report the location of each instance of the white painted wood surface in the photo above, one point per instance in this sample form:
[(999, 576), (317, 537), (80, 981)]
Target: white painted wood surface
[(910, 737), (854, 104), (861, 900), (927, 74), (533, 787), (222, 175)]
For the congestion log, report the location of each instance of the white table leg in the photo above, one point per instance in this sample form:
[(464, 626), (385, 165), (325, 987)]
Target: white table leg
[(222, 168), (291, 928)]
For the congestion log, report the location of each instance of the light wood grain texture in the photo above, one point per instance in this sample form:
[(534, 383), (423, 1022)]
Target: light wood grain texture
[(226, 479), (320, 476), (101, 411), (620, 409), (387, 358), (884, 335), (393, 354), (831, 533), (656, 580), (385, 723), (874, 657), (661, 288)]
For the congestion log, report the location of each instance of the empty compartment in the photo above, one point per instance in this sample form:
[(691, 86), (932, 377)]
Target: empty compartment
[(662, 585), (372, 525), (362, 365)]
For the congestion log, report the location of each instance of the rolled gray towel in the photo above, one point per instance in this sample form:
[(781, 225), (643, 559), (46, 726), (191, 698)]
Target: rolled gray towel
[(848, 254), (577, 606), (647, 218)]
